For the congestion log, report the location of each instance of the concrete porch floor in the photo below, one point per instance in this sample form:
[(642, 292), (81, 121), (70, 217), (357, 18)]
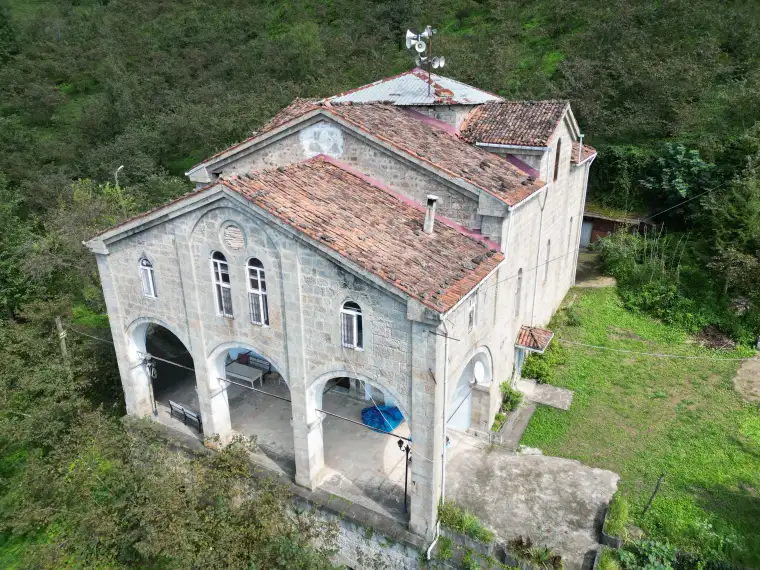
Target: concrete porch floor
[(556, 502), (362, 466)]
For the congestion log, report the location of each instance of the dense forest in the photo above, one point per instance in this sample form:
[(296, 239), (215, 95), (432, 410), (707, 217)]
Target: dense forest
[(667, 90)]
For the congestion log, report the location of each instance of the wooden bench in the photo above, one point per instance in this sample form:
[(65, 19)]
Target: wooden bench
[(186, 415)]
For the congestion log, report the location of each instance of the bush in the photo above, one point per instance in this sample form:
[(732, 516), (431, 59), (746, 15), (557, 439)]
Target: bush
[(648, 555), (510, 398), (608, 561), (464, 522), (541, 367), (617, 518), (498, 421)]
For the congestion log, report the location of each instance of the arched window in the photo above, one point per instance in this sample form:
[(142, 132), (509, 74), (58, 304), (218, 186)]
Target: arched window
[(557, 156), (351, 333), (148, 278), (222, 287), (548, 259), (257, 293), (518, 292)]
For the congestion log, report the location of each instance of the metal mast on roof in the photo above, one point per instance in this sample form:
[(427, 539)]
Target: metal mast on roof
[(417, 41)]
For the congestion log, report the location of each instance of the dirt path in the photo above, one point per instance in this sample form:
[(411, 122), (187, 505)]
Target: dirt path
[(747, 380), (588, 272)]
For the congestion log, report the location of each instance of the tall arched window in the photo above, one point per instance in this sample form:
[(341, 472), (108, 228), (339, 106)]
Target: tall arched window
[(351, 333), (518, 292), (548, 259), (257, 293), (222, 287), (148, 278), (557, 156)]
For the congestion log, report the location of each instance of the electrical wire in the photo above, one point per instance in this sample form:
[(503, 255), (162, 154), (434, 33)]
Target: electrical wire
[(89, 335), (654, 354)]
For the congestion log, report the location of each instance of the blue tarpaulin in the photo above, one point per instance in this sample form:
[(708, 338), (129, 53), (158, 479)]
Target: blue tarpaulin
[(373, 417)]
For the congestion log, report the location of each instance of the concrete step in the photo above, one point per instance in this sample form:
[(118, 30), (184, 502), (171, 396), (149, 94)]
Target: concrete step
[(514, 430)]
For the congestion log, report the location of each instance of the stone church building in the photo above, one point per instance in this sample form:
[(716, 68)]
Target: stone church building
[(399, 244)]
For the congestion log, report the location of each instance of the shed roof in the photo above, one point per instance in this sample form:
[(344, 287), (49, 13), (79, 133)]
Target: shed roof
[(525, 123), (413, 88), (534, 338)]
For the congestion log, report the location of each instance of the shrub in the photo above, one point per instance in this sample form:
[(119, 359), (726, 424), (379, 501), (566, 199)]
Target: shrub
[(539, 556), (510, 398), (617, 518), (464, 522), (445, 549), (648, 555), (608, 561), (498, 421), (541, 367)]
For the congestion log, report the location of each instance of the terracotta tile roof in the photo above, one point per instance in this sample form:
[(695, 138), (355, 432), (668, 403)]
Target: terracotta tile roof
[(371, 227), (534, 338), (296, 108), (416, 135), (586, 153), (528, 123)]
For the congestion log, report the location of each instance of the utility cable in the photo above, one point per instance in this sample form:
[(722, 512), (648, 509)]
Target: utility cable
[(655, 354)]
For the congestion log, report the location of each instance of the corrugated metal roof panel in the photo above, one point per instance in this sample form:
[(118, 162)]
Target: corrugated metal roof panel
[(411, 88)]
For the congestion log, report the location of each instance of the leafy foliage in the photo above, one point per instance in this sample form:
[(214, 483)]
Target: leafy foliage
[(464, 522), (510, 398), (541, 367)]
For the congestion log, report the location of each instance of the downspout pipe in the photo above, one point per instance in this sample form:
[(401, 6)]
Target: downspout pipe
[(443, 454)]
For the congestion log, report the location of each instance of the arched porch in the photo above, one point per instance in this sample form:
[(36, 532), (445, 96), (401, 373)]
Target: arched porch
[(365, 465), (258, 401)]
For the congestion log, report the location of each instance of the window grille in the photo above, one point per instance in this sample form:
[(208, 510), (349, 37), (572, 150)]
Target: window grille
[(257, 293), (222, 285), (148, 278)]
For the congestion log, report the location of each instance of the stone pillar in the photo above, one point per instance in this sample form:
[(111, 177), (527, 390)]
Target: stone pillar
[(427, 430), (212, 397), (134, 378), (306, 423)]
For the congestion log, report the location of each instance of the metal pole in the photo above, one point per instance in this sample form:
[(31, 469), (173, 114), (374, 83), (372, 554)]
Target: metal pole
[(64, 351), (406, 475)]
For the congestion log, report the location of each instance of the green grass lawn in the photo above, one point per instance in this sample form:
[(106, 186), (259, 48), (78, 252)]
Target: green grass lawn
[(641, 416)]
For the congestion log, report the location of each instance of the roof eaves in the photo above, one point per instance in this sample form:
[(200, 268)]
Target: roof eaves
[(258, 137)]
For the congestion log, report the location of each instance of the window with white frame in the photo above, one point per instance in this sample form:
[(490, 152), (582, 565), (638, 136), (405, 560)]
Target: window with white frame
[(472, 312), (222, 288), (257, 293), (351, 330), (148, 278)]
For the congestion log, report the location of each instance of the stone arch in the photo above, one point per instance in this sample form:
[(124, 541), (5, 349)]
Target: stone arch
[(461, 392), (215, 358), (316, 387), (137, 329), (229, 219)]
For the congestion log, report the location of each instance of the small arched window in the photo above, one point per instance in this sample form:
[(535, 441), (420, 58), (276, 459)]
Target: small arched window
[(257, 293), (518, 292), (223, 290), (548, 259), (557, 156), (148, 278), (351, 329)]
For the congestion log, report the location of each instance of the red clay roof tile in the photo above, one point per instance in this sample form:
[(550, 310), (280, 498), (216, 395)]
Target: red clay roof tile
[(586, 153), (372, 228), (534, 338), (525, 123)]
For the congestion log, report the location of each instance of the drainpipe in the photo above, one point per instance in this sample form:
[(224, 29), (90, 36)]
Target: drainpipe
[(443, 455)]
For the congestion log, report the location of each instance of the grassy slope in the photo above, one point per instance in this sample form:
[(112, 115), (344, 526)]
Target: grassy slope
[(642, 416)]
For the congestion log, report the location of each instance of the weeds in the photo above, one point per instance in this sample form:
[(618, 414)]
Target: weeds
[(464, 522)]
